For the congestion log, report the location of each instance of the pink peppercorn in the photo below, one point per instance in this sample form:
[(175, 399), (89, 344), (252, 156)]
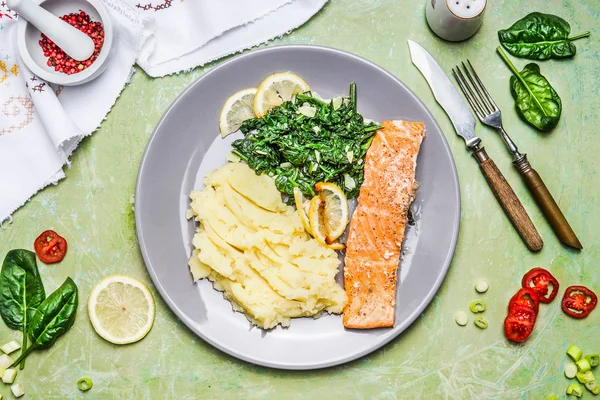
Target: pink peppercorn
[(61, 61)]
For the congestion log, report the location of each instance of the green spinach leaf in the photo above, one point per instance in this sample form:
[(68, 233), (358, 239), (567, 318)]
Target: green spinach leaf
[(53, 317), (308, 140), (21, 291), (539, 36), (536, 100)]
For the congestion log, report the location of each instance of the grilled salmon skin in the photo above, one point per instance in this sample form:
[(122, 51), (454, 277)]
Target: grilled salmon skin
[(377, 227)]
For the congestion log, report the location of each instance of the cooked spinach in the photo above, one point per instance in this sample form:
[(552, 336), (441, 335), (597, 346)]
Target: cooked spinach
[(21, 291), (539, 36), (536, 100), (52, 318), (307, 140)]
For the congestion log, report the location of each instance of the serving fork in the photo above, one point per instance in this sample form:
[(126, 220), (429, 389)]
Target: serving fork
[(489, 114)]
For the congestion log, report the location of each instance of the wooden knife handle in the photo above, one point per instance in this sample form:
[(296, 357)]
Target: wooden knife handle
[(546, 202), (509, 201)]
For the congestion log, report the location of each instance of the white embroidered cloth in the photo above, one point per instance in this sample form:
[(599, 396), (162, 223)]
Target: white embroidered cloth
[(194, 32), (40, 125)]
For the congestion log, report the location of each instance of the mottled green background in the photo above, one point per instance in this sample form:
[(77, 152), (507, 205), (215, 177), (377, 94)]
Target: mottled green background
[(434, 359)]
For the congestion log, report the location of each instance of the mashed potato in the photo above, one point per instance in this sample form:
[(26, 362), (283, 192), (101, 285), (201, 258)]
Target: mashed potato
[(254, 249)]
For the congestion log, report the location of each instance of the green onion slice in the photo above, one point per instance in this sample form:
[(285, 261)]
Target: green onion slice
[(593, 387), (583, 365), (585, 377), (575, 390), (593, 359), (570, 370), (574, 352), (480, 322), (84, 384), (477, 306)]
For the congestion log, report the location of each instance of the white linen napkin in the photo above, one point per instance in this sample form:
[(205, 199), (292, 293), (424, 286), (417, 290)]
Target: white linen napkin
[(40, 125), (194, 32)]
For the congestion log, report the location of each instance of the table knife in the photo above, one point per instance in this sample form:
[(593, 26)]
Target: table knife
[(464, 125)]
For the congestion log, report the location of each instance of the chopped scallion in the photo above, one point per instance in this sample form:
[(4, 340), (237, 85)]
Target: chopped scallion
[(461, 318), (6, 361), (593, 387), (574, 352), (481, 286), (9, 375), (585, 377), (10, 347), (477, 306), (480, 322), (570, 370), (575, 390), (583, 365), (17, 390), (593, 359), (84, 384)]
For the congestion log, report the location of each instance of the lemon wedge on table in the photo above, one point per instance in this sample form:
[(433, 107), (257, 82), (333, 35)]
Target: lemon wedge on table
[(237, 108), (335, 210), (276, 89), (317, 224), (121, 309)]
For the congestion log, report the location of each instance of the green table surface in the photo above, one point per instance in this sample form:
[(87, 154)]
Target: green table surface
[(434, 358)]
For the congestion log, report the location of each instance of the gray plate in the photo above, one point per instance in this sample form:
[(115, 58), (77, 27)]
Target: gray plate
[(178, 155)]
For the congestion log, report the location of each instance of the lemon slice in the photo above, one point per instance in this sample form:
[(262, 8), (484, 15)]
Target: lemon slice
[(276, 89), (237, 109), (302, 206), (121, 309), (317, 225), (335, 210)]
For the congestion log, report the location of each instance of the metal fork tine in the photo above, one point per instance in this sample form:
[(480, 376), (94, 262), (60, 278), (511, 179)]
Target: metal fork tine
[(467, 92), (490, 99), (488, 108), (476, 100)]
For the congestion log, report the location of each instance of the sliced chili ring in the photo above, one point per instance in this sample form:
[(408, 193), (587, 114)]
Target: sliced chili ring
[(538, 279), (519, 323), (50, 247), (579, 301), (525, 297)]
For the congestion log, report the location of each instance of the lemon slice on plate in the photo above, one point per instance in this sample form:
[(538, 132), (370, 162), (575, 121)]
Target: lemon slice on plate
[(317, 224), (238, 108), (302, 206), (335, 210), (121, 309), (276, 89)]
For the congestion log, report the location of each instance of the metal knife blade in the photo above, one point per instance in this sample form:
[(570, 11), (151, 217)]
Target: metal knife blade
[(445, 94)]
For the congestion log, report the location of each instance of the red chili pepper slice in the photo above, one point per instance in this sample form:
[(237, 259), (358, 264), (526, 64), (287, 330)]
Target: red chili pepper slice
[(525, 297), (50, 247), (579, 301), (538, 279), (519, 323)]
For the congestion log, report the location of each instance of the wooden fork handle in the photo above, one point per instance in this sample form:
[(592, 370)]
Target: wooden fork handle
[(546, 202), (509, 201)]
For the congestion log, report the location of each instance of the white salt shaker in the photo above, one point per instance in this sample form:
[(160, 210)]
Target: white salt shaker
[(455, 20)]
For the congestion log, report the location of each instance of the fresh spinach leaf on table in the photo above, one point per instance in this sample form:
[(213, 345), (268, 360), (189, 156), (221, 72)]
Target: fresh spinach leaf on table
[(21, 291), (535, 99), (53, 318), (540, 36)]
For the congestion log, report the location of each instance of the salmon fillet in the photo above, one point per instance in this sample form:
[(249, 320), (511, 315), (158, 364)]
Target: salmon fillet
[(377, 227)]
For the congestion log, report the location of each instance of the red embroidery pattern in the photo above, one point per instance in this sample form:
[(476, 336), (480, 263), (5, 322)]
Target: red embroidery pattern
[(6, 11), (15, 106), (165, 4), (38, 88)]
